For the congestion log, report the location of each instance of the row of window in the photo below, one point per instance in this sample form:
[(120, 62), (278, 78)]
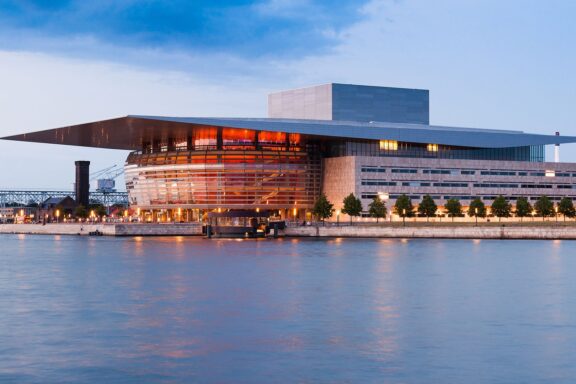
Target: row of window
[(375, 169), (462, 185), (369, 195)]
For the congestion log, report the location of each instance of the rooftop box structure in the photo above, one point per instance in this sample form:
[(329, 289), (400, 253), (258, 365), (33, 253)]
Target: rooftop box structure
[(347, 102)]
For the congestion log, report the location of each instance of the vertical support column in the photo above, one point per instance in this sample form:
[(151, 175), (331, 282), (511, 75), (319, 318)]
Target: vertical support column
[(171, 145), (256, 140), (189, 143), (219, 140)]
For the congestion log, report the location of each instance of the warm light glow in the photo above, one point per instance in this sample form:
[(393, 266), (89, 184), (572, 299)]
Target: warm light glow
[(432, 147), (389, 145), (257, 209), (57, 213), (338, 213), (295, 211), (383, 195), (550, 173)]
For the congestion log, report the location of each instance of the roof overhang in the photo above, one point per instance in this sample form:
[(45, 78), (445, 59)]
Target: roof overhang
[(130, 132)]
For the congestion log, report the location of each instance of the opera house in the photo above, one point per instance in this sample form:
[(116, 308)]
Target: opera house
[(334, 138)]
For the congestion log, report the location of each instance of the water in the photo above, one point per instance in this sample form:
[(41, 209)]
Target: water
[(139, 310)]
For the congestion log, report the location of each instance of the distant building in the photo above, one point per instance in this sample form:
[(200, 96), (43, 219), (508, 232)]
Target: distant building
[(333, 138), (54, 207)]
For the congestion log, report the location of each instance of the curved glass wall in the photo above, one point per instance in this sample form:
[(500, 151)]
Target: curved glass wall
[(229, 179)]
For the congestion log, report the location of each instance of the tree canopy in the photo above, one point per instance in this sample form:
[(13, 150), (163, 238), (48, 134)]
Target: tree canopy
[(403, 206), (352, 206), (453, 208), (323, 209), (523, 207), (427, 207), (81, 212), (566, 208), (477, 208), (544, 206), (501, 207), (377, 208)]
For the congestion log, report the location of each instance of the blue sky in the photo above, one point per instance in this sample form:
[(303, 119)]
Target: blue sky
[(489, 64), (245, 28)]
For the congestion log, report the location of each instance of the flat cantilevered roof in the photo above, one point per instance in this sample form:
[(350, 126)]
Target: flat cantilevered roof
[(130, 132)]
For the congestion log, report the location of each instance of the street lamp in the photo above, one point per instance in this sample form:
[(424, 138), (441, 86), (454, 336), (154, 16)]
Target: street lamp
[(556, 212), (338, 218), (404, 217), (476, 215), (57, 215)]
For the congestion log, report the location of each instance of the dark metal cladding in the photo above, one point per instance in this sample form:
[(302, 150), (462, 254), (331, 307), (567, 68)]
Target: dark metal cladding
[(82, 184), (132, 132)]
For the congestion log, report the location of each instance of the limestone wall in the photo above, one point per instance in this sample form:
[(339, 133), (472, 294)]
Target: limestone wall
[(529, 232), (106, 229)]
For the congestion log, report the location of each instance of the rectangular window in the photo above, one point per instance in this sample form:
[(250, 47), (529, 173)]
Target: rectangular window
[(404, 170), (388, 145)]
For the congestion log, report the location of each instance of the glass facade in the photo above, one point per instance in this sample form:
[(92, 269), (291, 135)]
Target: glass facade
[(228, 179), (390, 148)]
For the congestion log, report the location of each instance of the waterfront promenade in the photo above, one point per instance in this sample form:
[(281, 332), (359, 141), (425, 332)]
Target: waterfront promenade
[(548, 230), (108, 229), (514, 230)]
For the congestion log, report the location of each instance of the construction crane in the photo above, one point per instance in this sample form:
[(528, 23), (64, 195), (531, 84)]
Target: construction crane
[(106, 178)]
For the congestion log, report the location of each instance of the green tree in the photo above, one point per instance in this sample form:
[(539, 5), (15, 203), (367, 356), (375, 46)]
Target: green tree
[(453, 208), (99, 210), (427, 207), (323, 209), (377, 208), (544, 207), (352, 206), (523, 208), (501, 207), (477, 208), (403, 206), (81, 212), (566, 208)]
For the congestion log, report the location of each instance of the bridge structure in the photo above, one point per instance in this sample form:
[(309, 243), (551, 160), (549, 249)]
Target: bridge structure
[(30, 197)]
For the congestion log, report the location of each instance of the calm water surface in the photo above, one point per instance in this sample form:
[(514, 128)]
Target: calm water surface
[(139, 310)]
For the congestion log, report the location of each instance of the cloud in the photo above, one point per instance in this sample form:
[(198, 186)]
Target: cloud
[(248, 29)]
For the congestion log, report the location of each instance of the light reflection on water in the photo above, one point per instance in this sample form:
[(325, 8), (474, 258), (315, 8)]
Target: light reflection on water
[(131, 310)]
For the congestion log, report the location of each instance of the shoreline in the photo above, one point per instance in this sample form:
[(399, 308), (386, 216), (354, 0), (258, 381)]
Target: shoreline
[(529, 231)]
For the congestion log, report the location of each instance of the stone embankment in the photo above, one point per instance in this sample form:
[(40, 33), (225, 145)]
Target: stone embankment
[(443, 232), (106, 229)]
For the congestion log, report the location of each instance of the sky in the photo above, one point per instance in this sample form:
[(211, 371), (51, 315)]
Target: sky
[(487, 63)]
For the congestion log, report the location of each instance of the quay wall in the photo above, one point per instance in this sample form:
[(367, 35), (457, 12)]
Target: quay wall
[(493, 232), (105, 229)]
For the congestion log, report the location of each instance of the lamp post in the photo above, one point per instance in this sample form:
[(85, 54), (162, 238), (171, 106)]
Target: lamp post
[(556, 212), (57, 216), (404, 217), (338, 218), (476, 215)]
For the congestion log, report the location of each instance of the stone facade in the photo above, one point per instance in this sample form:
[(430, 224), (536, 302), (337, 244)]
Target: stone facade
[(444, 178)]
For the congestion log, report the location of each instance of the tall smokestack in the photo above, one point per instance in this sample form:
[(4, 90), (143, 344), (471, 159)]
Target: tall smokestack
[(557, 150), (82, 184)]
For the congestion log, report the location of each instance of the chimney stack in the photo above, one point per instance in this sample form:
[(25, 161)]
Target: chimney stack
[(557, 150), (82, 184)]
